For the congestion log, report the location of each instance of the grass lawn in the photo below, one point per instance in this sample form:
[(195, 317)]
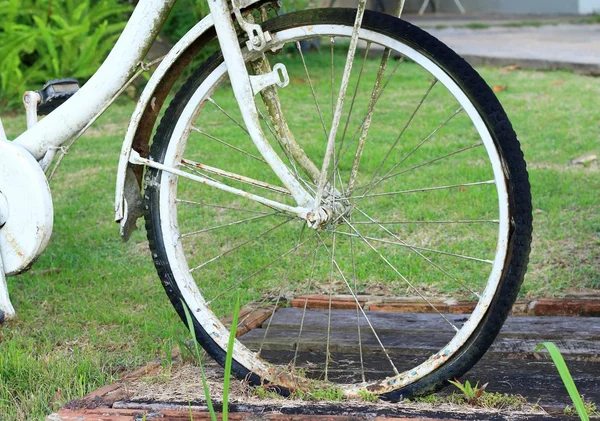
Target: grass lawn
[(92, 307)]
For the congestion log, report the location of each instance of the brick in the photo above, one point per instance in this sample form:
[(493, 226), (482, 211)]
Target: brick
[(461, 308), (567, 307), (322, 302)]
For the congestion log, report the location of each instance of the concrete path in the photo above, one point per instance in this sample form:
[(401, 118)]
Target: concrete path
[(573, 47)]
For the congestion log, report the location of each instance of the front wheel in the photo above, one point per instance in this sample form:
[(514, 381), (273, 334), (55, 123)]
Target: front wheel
[(437, 208)]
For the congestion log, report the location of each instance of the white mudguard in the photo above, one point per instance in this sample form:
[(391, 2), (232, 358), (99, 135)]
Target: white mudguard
[(126, 206)]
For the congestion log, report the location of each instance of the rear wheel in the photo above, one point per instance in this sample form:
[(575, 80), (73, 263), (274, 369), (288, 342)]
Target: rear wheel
[(436, 210)]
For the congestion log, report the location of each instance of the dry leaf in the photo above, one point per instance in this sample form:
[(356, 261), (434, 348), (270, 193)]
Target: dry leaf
[(299, 80), (500, 88), (557, 83), (510, 68), (584, 160)]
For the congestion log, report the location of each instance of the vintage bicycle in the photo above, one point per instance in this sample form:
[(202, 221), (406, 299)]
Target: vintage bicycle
[(332, 158)]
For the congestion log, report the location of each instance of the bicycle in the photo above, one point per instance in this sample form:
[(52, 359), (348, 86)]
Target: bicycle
[(334, 200)]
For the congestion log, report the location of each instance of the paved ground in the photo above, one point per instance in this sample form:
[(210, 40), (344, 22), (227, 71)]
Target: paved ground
[(557, 45)]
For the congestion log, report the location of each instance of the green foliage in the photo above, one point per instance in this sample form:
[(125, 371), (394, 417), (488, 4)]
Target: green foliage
[(565, 375), (264, 392), (185, 14), (472, 394), (367, 396), (228, 362), (589, 406), (190, 324), (48, 39), (330, 393), (229, 359)]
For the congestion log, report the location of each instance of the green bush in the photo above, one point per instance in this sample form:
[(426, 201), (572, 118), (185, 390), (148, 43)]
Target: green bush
[(48, 39), (185, 14)]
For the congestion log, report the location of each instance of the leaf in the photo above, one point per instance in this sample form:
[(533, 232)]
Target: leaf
[(510, 68), (192, 330), (229, 359), (565, 375), (47, 36), (500, 88), (557, 83)]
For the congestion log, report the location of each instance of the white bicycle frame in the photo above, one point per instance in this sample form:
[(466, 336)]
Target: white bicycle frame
[(44, 138)]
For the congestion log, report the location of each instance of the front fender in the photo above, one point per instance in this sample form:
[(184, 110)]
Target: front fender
[(128, 198)]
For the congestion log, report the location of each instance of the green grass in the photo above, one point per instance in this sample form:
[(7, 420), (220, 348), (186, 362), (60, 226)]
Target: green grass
[(92, 308)]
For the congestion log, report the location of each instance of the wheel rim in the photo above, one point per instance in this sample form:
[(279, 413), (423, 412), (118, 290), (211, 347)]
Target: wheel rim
[(178, 251)]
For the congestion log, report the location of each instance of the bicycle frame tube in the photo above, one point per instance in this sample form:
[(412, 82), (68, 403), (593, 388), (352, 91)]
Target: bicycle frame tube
[(122, 62), (242, 88)]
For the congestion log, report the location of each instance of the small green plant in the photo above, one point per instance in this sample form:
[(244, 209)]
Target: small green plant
[(589, 406), (367, 396), (190, 325), (330, 393), (565, 375), (472, 394), (263, 392), (228, 362), (429, 399), (496, 400)]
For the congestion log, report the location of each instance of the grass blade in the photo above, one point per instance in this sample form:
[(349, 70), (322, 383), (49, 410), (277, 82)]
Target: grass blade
[(565, 375), (211, 409), (229, 358)]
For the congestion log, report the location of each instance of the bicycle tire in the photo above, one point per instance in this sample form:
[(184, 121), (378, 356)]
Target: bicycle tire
[(518, 205)]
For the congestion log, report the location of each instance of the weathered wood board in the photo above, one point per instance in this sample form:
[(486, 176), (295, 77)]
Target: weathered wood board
[(509, 366)]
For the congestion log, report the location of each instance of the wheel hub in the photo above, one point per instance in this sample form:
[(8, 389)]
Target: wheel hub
[(333, 210)]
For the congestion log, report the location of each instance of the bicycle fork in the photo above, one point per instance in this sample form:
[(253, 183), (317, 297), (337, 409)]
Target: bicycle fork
[(245, 87)]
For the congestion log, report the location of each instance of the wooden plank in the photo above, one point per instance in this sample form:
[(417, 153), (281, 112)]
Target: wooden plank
[(533, 378), (551, 327), (316, 340)]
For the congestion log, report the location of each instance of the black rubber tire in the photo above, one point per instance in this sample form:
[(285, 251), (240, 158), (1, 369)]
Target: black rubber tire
[(499, 126)]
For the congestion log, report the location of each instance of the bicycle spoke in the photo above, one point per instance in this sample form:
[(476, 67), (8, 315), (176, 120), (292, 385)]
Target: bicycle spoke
[(458, 221), (229, 224), (458, 151), (331, 44), (397, 272), (427, 189), (423, 257), (368, 118), (339, 270), (312, 89), (221, 255), (327, 352), (406, 125), (412, 246), (364, 120), (216, 139), (284, 281), (253, 274), (310, 280), (360, 346), (372, 184), (360, 73), (191, 202), (237, 123)]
